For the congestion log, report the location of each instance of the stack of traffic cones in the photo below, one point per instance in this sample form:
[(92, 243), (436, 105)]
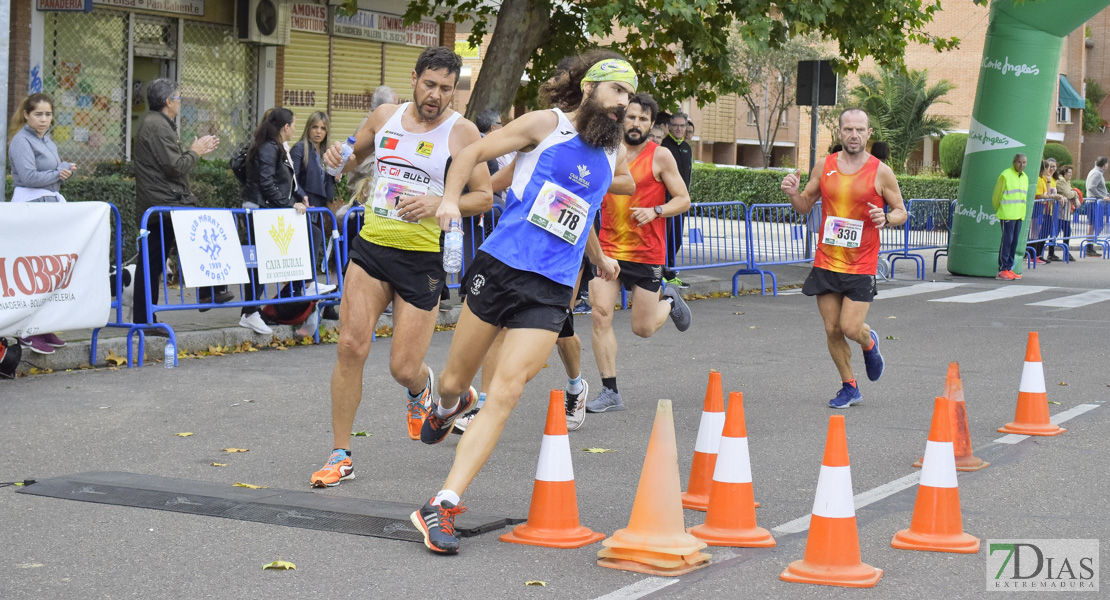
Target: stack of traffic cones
[(696, 496), (937, 524), (954, 391), (553, 514), (832, 554), (730, 520), (655, 541), (1031, 416)]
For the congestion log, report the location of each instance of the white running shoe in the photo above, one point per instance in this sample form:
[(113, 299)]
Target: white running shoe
[(576, 407), (254, 322)]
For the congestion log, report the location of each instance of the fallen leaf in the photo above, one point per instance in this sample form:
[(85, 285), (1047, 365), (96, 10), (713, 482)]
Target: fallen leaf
[(737, 313), (1053, 402), (1063, 383), (216, 350), (115, 360), (19, 484), (752, 327), (184, 434), (360, 434), (249, 486), (234, 450), (891, 337), (38, 371), (280, 565), (892, 317), (536, 582), (30, 565), (597, 450), (219, 464)]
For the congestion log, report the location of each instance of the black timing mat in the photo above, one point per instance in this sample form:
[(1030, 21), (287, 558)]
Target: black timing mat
[(274, 506)]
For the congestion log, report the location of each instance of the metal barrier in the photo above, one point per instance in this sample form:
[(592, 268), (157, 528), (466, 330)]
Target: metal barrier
[(116, 318), (927, 227), (777, 235), (718, 235)]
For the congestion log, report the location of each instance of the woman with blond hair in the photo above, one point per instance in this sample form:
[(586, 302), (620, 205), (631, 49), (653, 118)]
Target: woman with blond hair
[(308, 168)]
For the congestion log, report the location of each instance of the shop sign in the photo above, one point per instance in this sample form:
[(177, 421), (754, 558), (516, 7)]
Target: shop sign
[(379, 27), (310, 17), (65, 5), (193, 8)]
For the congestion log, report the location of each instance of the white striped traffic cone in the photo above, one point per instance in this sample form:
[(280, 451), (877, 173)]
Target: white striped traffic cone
[(1031, 415), (696, 496)]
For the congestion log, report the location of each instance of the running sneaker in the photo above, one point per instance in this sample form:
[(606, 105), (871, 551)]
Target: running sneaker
[(847, 396), (576, 407), (463, 422), (873, 359), (35, 344), (418, 407), (437, 523), (435, 427), (680, 311), (1004, 276), (340, 467), (583, 308), (606, 400), (52, 339), (1014, 276), (676, 282)]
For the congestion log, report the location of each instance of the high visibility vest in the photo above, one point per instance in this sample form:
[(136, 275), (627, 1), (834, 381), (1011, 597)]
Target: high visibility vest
[(1010, 194)]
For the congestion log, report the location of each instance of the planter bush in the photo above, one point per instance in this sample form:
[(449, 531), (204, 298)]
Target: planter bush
[(952, 147)]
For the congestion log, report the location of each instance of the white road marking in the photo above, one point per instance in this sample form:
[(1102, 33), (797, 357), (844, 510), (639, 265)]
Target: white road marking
[(1056, 419), (1008, 291), (639, 589), (1077, 300), (920, 288)]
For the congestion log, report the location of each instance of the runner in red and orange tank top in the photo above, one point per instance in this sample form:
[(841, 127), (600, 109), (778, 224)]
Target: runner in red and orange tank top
[(633, 232), (855, 188)]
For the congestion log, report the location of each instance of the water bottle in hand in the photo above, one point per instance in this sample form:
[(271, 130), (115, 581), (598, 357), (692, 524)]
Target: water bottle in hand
[(171, 355), (452, 248), (347, 148)]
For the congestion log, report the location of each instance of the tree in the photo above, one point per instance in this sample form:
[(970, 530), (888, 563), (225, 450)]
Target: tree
[(1092, 121), (897, 101), (772, 74), (682, 52)]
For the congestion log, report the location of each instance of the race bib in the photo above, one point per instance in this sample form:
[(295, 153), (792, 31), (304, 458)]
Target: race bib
[(845, 233), (559, 212), (386, 192)]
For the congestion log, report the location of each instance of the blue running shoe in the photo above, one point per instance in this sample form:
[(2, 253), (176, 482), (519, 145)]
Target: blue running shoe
[(873, 359), (435, 427), (847, 396), (437, 523)]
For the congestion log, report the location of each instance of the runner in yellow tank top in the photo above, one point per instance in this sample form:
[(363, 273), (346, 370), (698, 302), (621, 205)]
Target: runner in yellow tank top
[(854, 187)]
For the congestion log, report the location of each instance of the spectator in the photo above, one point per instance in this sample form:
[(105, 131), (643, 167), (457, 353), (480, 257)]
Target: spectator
[(1068, 202), (1010, 192), (162, 179), (684, 156), (881, 151), (271, 183), (657, 134), (1096, 188), (1042, 213), (37, 173), (308, 169)]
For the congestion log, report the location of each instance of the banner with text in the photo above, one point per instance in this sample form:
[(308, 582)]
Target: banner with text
[(53, 267), (281, 236), (208, 245)]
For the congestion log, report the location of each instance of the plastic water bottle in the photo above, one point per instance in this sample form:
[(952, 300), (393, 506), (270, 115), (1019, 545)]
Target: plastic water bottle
[(171, 355), (452, 248), (347, 148)]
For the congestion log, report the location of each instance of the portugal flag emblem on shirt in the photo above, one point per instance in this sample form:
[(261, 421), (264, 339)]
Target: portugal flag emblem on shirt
[(389, 143)]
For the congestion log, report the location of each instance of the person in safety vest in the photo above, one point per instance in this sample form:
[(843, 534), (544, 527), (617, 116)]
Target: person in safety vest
[(1008, 198)]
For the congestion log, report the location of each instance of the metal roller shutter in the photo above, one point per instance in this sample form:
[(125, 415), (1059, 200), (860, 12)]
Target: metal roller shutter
[(356, 69), (399, 62), (305, 76)]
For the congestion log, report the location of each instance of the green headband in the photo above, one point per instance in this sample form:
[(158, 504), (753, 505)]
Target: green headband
[(612, 69)]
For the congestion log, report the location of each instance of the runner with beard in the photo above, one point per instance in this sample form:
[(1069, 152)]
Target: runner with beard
[(633, 232), (854, 188), (397, 256), (524, 273)]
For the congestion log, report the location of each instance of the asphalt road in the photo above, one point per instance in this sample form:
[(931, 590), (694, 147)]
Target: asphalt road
[(772, 349)]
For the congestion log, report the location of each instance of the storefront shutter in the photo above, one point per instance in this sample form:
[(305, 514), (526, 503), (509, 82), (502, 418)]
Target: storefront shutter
[(305, 88), (356, 69), (399, 63)]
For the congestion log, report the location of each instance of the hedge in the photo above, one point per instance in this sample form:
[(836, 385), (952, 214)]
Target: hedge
[(952, 148), (1059, 152)]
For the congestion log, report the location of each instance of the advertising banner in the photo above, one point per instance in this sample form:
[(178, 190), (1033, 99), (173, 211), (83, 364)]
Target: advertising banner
[(281, 236), (208, 245), (53, 267)]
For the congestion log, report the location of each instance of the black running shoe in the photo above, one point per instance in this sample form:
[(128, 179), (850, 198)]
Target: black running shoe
[(435, 427), (437, 523)]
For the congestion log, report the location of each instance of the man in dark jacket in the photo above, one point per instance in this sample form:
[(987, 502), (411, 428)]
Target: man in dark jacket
[(675, 141), (161, 179)]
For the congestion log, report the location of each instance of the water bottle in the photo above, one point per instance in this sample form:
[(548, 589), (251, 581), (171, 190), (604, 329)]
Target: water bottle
[(171, 355), (347, 148), (452, 248)]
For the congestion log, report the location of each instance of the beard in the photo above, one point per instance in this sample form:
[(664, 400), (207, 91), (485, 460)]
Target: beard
[(633, 141), (596, 125)]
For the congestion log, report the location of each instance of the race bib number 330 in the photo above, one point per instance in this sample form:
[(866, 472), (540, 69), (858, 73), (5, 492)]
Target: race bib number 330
[(845, 233), (560, 212)]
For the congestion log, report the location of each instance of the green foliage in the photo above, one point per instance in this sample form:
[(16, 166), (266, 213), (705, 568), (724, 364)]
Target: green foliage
[(1059, 152), (1092, 121), (897, 102), (952, 147)]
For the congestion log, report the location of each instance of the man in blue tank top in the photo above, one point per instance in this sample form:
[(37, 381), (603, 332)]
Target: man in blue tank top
[(524, 274)]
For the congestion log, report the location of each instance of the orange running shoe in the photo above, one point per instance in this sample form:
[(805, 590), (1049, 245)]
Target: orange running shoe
[(418, 407), (340, 467)]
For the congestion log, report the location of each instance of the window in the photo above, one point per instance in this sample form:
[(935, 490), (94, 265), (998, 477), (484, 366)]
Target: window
[(753, 116), (1063, 114)]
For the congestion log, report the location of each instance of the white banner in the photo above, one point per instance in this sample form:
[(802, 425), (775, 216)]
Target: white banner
[(208, 245), (53, 267), (281, 237)]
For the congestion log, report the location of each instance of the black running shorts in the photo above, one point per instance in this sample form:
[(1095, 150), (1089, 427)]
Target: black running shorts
[(641, 275), (418, 277), (501, 295), (859, 288)]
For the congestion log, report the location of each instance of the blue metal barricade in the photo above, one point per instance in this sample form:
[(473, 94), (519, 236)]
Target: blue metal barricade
[(1042, 224), (778, 235), (718, 236), (927, 228), (115, 317)]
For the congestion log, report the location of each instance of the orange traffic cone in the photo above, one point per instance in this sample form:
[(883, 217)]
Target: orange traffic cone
[(954, 391), (1031, 416), (655, 541), (730, 520), (696, 496), (832, 554), (553, 514), (937, 525)]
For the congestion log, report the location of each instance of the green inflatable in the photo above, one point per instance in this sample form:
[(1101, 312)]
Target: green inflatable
[(1013, 101)]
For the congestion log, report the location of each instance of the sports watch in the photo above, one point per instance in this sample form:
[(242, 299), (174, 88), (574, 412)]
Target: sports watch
[(658, 209)]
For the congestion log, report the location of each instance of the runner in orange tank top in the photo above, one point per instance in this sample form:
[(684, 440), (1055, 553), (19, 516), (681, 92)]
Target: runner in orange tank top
[(855, 188)]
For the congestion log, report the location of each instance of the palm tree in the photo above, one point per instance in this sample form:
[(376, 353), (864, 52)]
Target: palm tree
[(897, 101)]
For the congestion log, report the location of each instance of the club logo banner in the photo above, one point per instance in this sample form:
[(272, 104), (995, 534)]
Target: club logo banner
[(53, 267), (208, 246), (281, 236)]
